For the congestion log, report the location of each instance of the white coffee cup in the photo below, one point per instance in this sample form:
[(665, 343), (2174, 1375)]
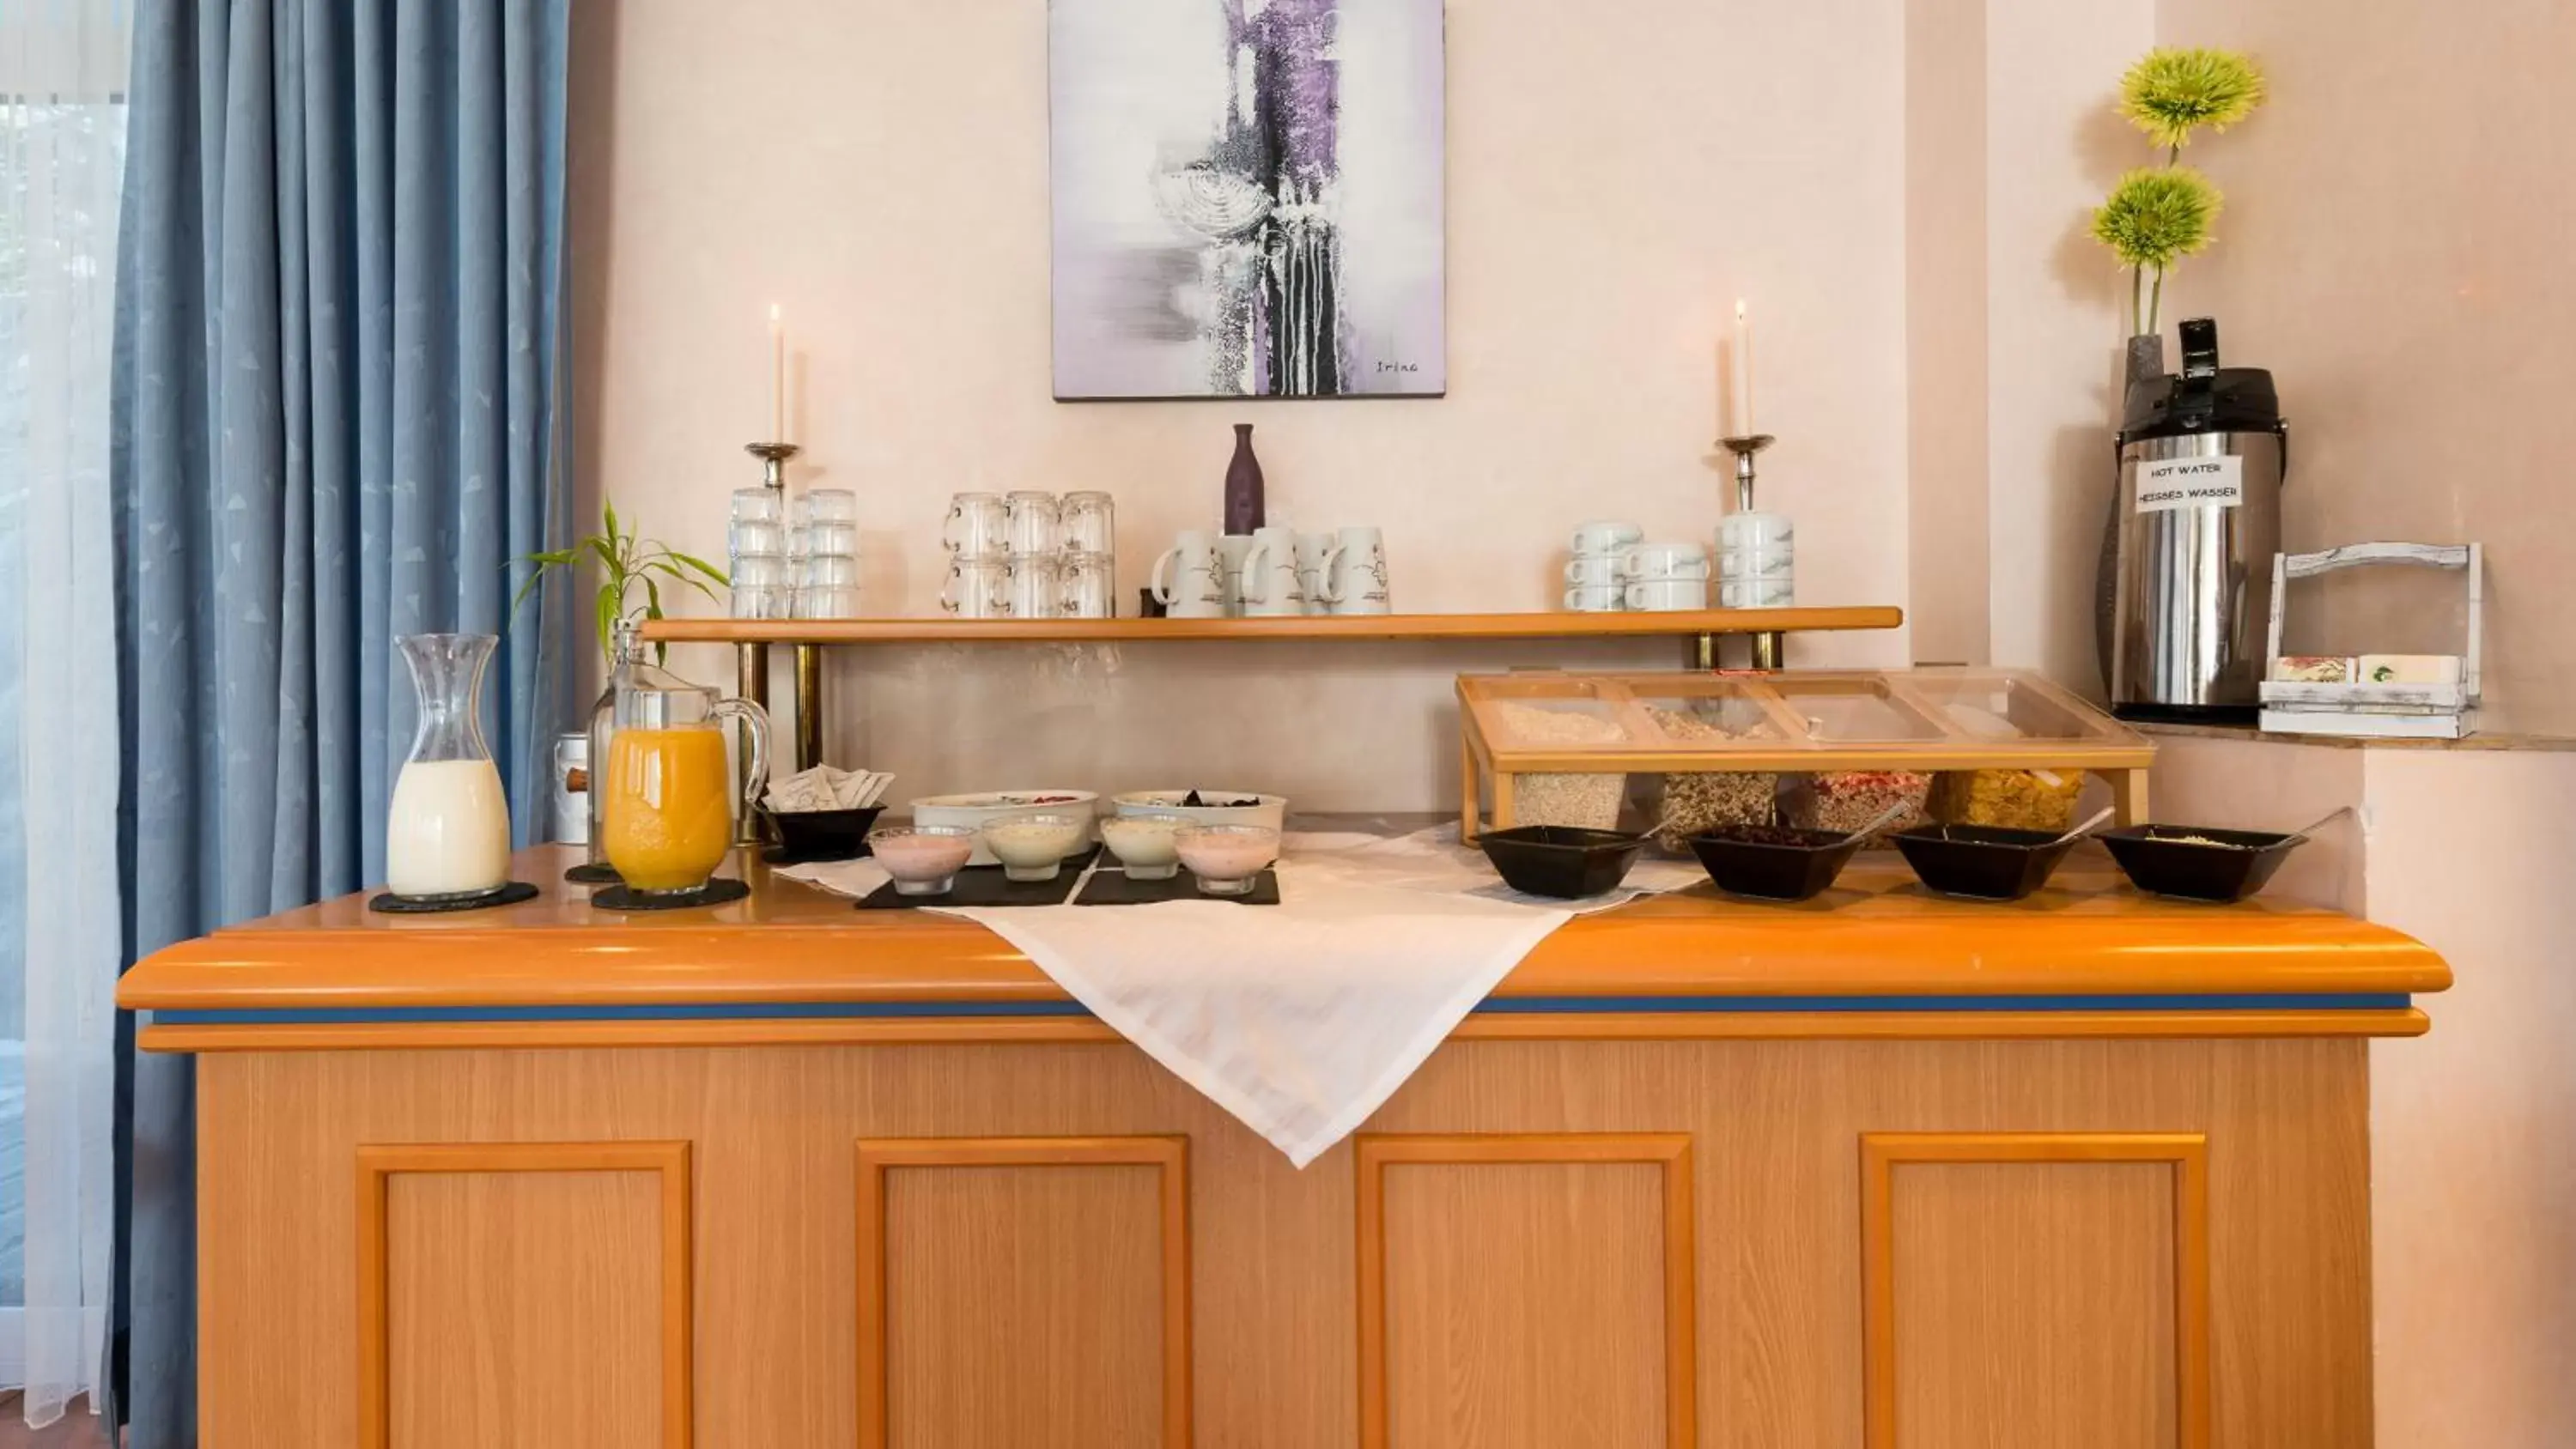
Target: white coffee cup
[(1606, 537), (1270, 585), (1664, 561), (1666, 595), (1315, 555), (1756, 547), (1231, 550), (1359, 573), (1594, 568), (1779, 593), (1189, 578), (1750, 564), (1596, 598)]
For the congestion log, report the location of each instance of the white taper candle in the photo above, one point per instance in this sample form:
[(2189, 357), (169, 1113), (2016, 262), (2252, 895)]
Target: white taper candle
[(1743, 371), (777, 374)]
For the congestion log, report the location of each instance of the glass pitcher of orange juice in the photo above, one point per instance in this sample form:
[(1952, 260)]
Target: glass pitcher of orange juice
[(667, 814)]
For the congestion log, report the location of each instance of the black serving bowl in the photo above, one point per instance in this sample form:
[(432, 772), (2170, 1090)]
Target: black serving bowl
[(1773, 862), (1565, 861), (1983, 862), (823, 834), (2239, 864)]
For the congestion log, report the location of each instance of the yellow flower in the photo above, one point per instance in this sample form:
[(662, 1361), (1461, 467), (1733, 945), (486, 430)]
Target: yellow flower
[(2171, 92), (2156, 215)]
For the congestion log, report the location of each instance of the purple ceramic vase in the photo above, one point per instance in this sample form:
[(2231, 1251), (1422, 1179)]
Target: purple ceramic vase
[(1244, 511)]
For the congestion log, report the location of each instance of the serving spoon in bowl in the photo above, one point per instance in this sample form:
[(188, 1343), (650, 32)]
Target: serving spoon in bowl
[(1885, 818), (2089, 826)]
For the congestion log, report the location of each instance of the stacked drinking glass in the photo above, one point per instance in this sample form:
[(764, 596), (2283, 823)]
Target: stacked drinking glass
[(824, 543), (1030, 555), (756, 540)]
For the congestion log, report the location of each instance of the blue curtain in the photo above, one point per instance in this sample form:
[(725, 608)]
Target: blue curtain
[(339, 414)]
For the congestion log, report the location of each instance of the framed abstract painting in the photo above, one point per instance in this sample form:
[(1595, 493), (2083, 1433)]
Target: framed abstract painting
[(1247, 198)]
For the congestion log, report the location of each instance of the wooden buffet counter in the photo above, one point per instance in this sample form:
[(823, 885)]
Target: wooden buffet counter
[(1882, 1169)]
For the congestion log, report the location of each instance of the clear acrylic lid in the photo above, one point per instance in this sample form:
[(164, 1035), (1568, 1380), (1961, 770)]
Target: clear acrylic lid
[(1937, 718)]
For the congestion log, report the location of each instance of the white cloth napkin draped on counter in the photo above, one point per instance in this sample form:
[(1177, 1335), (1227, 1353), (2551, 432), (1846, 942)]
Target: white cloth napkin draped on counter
[(1301, 1018)]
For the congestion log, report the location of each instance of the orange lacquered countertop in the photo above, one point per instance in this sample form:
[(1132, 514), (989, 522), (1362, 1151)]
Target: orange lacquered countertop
[(1877, 935)]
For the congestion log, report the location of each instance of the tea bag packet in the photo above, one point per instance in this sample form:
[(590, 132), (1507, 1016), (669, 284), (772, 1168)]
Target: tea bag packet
[(823, 787)]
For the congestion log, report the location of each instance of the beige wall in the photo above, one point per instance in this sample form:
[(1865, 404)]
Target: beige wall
[(2015, 321), (1617, 174), (2473, 1127), (1945, 329), (2395, 248)]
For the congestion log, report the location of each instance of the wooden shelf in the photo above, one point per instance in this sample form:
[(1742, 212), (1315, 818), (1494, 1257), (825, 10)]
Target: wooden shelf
[(1561, 625)]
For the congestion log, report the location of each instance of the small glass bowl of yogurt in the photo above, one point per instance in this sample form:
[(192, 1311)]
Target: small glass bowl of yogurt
[(1033, 847), (1227, 859), (1144, 844), (923, 859)]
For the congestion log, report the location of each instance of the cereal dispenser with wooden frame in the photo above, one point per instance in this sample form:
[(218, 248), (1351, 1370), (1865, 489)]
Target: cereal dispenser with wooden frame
[(1569, 732)]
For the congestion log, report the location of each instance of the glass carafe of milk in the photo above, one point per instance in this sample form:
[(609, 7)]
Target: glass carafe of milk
[(448, 835)]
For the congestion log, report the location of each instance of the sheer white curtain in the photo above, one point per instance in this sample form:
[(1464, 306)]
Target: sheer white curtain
[(62, 144)]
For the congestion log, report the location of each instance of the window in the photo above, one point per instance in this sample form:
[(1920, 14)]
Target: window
[(62, 136)]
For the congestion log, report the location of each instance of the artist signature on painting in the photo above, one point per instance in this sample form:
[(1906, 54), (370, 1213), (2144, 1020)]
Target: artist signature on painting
[(1383, 368)]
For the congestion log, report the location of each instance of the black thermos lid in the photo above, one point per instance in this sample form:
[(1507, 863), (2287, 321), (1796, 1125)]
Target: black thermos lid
[(2204, 398)]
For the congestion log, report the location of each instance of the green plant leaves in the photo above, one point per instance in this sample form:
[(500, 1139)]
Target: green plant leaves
[(701, 565), (624, 560), (609, 600)]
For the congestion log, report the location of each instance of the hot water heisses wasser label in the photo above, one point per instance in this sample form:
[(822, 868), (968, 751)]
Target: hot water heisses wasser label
[(2170, 483)]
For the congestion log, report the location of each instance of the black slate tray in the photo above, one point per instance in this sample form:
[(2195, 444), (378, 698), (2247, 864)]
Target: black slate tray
[(1113, 888), (983, 885)]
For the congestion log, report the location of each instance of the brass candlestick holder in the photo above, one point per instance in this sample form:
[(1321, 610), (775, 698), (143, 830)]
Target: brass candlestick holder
[(773, 463), (1748, 530), (1744, 446), (751, 660)]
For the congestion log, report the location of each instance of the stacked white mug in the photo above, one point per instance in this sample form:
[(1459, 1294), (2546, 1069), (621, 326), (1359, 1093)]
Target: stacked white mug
[(1594, 579), (1665, 577), (1274, 572), (1757, 561)]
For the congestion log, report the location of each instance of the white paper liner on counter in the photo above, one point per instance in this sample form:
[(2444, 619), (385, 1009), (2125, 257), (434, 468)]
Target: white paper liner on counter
[(857, 879)]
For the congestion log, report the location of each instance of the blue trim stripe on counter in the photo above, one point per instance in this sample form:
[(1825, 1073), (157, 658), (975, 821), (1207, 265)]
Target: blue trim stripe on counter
[(2249, 1001), (1508, 1005)]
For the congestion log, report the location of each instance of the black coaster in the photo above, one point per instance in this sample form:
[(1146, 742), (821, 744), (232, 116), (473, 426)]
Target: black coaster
[(983, 886), (1113, 888), (588, 874), (508, 895), (714, 893)]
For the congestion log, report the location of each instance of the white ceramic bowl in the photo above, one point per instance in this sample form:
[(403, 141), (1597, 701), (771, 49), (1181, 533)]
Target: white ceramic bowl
[(1272, 811), (1033, 847), (978, 810)]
